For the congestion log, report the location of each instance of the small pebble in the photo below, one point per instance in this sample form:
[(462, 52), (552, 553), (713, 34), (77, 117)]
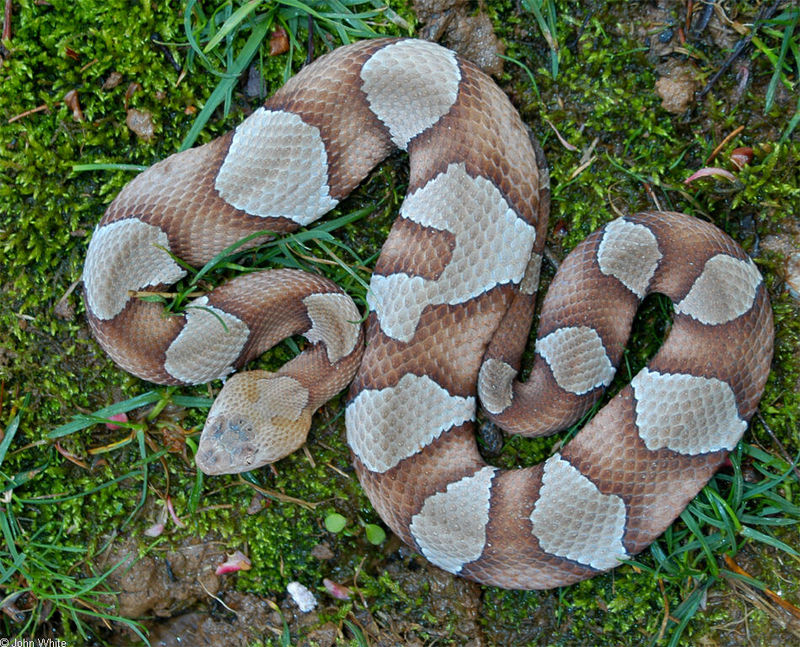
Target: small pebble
[(113, 80), (303, 598), (141, 123), (491, 439), (793, 274), (322, 551)]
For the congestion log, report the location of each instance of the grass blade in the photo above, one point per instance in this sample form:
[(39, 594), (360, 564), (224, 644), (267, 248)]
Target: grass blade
[(545, 13), (776, 75), (226, 85), (754, 534), (80, 168), (235, 19), (83, 421), (222, 256), (11, 430), (70, 497)]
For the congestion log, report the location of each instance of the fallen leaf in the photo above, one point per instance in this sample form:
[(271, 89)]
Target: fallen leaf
[(71, 99), (710, 171), (278, 42), (237, 561), (336, 590), (117, 417), (741, 157)]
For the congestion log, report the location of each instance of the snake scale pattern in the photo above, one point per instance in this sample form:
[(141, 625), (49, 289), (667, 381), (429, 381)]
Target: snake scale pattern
[(450, 305)]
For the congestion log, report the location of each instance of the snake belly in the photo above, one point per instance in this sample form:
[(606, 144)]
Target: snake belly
[(450, 306)]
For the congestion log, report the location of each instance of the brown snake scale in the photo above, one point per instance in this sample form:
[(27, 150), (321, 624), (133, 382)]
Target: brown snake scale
[(450, 305)]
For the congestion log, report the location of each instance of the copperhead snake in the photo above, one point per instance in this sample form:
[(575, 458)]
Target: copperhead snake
[(450, 305)]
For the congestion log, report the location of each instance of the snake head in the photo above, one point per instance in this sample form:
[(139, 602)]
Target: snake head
[(258, 418)]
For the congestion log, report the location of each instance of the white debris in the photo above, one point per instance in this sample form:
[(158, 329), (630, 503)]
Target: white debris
[(303, 598)]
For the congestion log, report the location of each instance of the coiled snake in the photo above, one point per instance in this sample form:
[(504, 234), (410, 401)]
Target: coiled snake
[(450, 305)]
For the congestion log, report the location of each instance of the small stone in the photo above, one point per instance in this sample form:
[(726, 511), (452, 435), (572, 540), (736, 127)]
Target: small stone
[(324, 636), (257, 504), (793, 274), (141, 123), (303, 598), (255, 86), (64, 310), (676, 87), (322, 551)]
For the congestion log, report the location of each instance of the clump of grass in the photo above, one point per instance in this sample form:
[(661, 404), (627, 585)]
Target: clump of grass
[(728, 514), (781, 29), (310, 249), (215, 37), (34, 585), (544, 11)]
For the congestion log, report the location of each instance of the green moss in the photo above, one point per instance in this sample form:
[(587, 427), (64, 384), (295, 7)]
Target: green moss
[(281, 537), (603, 91)]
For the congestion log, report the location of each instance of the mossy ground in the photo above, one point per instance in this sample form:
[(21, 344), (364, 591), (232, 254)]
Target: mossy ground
[(604, 91)]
